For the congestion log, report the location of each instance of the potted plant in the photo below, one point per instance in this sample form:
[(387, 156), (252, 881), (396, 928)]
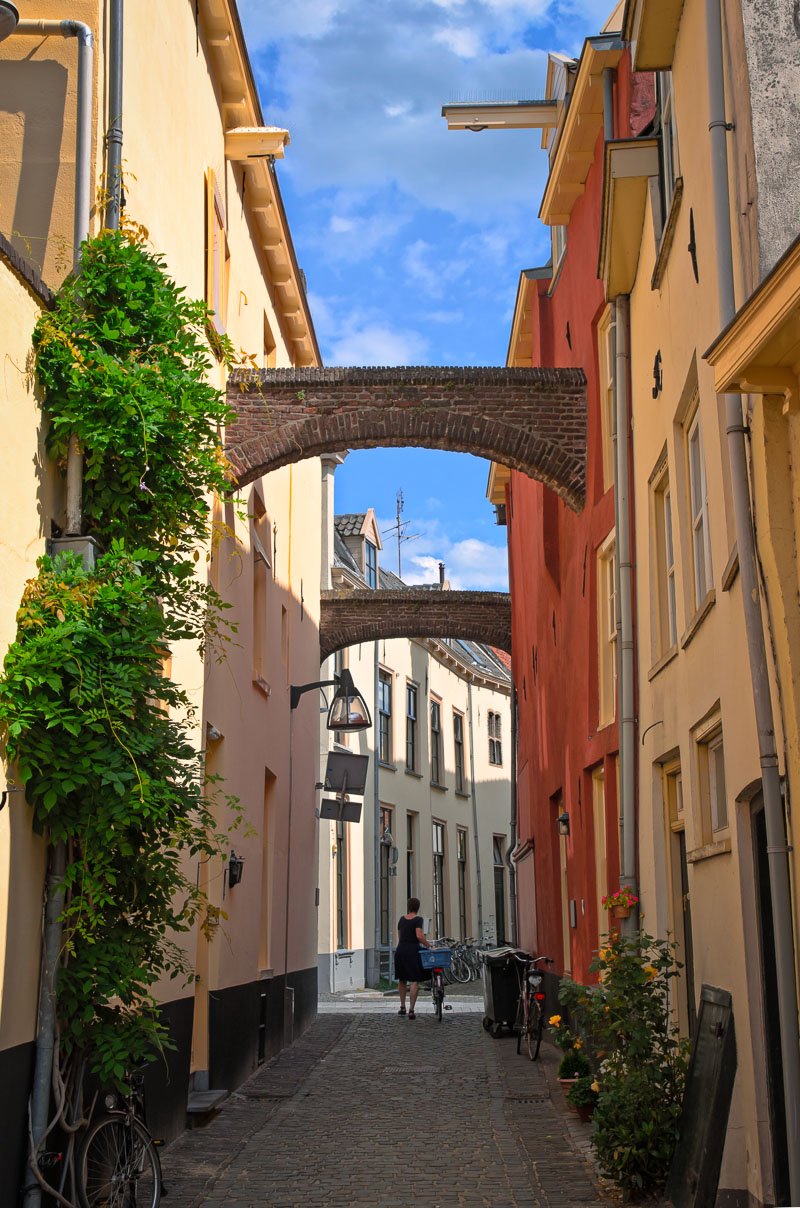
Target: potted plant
[(582, 1095), (620, 903), (573, 1066)]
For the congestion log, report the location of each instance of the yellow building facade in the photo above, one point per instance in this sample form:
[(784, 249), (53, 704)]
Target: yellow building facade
[(199, 175)]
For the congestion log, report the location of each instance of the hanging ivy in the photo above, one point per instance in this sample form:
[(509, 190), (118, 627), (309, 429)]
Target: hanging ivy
[(99, 735)]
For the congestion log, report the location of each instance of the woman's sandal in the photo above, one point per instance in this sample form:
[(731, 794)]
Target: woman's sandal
[(411, 1015), (402, 1011)]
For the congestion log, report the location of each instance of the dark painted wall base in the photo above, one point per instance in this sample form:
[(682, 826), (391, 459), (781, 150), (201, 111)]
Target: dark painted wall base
[(167, 1078), (16, 1073)]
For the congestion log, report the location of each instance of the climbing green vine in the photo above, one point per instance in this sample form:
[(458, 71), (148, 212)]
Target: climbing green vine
[(100, 736)]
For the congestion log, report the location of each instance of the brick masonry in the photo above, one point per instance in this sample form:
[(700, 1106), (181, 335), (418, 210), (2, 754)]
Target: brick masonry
[(349, 617), (533, 420)]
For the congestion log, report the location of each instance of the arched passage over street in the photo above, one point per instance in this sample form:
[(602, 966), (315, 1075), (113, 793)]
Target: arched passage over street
[(533, 420), (349, 617)]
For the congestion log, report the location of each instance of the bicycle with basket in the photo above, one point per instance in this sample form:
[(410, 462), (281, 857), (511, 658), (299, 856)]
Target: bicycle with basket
[(435, 961)]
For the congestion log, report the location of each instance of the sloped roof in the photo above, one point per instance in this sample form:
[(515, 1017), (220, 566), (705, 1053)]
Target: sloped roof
[(350, 524), (342, 557)]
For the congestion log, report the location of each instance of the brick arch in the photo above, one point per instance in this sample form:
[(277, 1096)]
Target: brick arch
[(533, 420), (349, 617)]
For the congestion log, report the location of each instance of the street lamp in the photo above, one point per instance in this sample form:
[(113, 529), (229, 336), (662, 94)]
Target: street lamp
[(348, 711), (563, 823)]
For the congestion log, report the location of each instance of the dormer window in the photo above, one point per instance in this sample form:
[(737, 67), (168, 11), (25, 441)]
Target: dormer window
[(370, 564)]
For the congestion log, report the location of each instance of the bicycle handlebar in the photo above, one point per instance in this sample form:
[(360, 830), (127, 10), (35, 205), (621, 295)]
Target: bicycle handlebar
[(532, 960)]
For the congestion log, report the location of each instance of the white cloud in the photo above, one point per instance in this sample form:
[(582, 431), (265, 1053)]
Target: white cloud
[(432, 275), (464, 43), (470, 564), (399, 109), (358, 337), (340, 225)]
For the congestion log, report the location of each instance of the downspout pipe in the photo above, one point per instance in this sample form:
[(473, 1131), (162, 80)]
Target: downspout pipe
[(114, 133), (513, 825), (83, 184), (474, 795), (54, 890), (774, 815), (376, 812)]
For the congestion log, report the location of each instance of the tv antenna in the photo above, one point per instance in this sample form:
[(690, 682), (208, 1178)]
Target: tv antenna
[(399, 529)]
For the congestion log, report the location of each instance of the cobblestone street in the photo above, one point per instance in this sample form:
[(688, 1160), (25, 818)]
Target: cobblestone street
[(369, 1108)]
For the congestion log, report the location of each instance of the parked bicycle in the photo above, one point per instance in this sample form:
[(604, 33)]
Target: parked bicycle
[(118, 1164), (529, 1024), (437, 960)]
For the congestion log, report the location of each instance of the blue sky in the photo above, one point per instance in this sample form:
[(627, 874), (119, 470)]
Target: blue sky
[(412, 237)]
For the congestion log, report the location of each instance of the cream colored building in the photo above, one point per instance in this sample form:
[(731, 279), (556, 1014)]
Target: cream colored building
[(700, 813), (436, 813), (200, 175)]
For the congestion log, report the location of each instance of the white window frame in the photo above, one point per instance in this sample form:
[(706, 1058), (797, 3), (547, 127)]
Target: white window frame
[(670, 163), (607, 661), (702, 570), (606, 384), (559, 244)]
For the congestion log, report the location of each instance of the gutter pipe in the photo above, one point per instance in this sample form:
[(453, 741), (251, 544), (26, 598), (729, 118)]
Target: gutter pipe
[(376, 793), (777, 847), (114, 134), (475, 813), (620, 326), (512, 868), (83, 178), (54, 890)]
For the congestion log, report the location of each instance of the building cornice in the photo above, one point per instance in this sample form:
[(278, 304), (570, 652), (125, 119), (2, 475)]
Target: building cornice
[(629, 165)]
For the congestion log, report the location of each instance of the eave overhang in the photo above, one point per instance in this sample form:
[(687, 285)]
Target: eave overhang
[(241, 112), (501, 115), (581, 125), (759, 350), (520, 343), (629, 165), (499, 478), (652, 27)]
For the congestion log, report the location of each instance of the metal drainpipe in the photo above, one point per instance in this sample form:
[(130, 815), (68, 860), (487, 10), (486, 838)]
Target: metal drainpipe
[(777, 849), (512, 868), (54, 891), (626, 685), (114, 134), (475, 812), (83, 178)]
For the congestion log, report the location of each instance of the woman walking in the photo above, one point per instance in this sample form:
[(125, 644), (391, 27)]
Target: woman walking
[(407, 966)]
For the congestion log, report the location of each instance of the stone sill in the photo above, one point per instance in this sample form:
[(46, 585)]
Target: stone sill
[(663, 662), (262, 685), (441, 787), (464, 795), (667, 235), (720, 847), (387, 767), (698, 618), (411, 772)]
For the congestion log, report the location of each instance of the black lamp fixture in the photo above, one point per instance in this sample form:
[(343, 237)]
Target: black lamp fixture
[(9, 18), (235, 869), (563, 823), (348, 711)]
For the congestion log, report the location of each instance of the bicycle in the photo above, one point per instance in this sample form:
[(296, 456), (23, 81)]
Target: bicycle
[(529, 1024), (437, 960), (118, 1164)]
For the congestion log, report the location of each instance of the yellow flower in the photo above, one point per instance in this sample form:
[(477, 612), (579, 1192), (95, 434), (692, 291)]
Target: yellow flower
[(555, 1021), (596, 1087), (651, 971), (578, 1043)]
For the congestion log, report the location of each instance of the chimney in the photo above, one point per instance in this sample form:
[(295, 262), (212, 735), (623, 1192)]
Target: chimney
[(441, 574)]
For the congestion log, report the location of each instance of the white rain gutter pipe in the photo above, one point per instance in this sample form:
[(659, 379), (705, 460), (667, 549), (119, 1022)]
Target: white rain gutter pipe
[(51, 942), (83, 185), (774, 814), (474, 794), (512, 868)]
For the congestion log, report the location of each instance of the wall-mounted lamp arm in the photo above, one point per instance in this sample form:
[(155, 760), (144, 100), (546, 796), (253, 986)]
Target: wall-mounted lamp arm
[(297, 690)]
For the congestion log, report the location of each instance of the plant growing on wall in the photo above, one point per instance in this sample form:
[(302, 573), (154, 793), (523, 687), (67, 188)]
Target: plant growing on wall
[(100, 736)]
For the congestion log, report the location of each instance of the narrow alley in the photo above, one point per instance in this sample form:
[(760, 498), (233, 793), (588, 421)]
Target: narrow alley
[(367, 1108)]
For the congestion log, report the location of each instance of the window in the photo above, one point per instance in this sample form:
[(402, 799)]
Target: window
[(607, 630), (559, 235), (600, 846), (679, 892), (411, 727), (436, 742), (698, 507), (666, 620), (458, 745), (261, 572), (438, 880), (384, 717), (270, 348), (385, 864), (341, 885), (605, 359), (411, 870), (499, 889), (495, 740), (461, 843), (217, 256), (669, 165), (371, 564), (713, 793)]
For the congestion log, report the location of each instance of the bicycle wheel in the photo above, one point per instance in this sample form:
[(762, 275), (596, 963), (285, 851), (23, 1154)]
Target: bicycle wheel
[(521, 1022), (460, 969), (438, 997), (535, 1030), (118, 1166)]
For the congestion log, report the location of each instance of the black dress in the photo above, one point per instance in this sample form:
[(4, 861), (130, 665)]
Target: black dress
[(407, 965)]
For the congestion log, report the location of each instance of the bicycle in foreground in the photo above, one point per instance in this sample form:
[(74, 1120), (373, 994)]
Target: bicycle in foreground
[(436, 961), (118, 1164), (529, 1023)]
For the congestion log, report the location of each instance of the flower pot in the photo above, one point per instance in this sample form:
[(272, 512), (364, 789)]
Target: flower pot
[(585, 1112), (621, 912), (567, 1084)]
